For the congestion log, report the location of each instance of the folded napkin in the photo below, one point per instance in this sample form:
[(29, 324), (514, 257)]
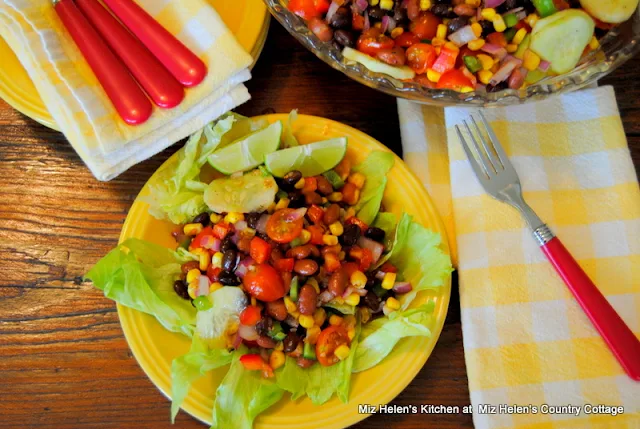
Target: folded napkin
[(526, 340), (81, 108)]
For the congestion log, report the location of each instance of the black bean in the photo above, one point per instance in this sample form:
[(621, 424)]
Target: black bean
[(372, 301), (376, 13), (443, 10), (487, 28), (264, 325), (341, 19), (350, 235), (345, 38), (252, 219), (229, 259), (457, 23), (202, 218), (290, 179), (376, 234), (400, 14), (227, 244), (180, 287), (296, 199), (228, 279), (290, 342)]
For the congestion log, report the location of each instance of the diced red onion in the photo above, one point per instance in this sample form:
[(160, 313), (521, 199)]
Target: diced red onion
[(493, 49), (241, 225), (261, 226), (463, 36), (237, 340), (402, 287), (544, 65), (243, 267), (516, 80), (297, 214), (375, 247), (504, 72), (332, 10), (235, 237), (512, 58), (248, 332), (210, 242), (203, 286), (291, 321), (325, 296), (521, 15), (514, 10), (361, 292), (380, 275), (367, 22), (472, 77), (387, 24), (361, 5), (348, 291), (493, 3)]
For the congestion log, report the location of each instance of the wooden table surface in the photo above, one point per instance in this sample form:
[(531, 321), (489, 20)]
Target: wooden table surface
[(64, 362)]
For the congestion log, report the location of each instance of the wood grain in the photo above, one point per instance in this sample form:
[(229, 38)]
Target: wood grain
[(64, 362)]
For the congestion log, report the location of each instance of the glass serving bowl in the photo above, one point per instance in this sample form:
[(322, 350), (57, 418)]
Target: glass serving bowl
[(618, 46)]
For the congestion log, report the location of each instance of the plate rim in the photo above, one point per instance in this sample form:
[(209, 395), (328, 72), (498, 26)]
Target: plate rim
[(139, 208)]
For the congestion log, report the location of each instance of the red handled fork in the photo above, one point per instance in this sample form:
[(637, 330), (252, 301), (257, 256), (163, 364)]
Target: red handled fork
[(500, 180)]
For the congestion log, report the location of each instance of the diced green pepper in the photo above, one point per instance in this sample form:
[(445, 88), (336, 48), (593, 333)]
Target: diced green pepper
[(281, 194), (334, 179), (309, 352), (510, 34), (293, 292), (379, 291), (545, 7), (276, 332), (510, 19), (279, 336), (473, 64)]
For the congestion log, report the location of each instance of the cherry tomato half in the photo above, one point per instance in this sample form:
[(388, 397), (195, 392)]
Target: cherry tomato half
[(406, 39), (307, 9), (454, 79), (284, 226), (420, 57), (250, 315), (328, 341), (373, 41), (426, 26), (264, 283)]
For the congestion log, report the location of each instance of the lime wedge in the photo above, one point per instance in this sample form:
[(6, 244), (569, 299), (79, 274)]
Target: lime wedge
[(248, 152), (310, 159)]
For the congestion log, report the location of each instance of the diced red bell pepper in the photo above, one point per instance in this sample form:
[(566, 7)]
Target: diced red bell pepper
[(259, 250), (357, 22), (388, 267), (350, 268), (355, 221), (316, 234), (198, 239), (213, 273), (310, 185), (315, 213), (331, 262), (250, 315), (222, 229), (307, 9), (286, 280), (366, 260), (253, 362), (446, 60), (284, 264), (497, 38)]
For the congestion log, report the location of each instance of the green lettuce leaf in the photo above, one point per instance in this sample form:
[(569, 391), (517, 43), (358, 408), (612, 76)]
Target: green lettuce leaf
[(319, 382), (375, 169), (243, 395), (288, 138), (387, 222), (140, 275), (380, 336), (188, 368), (179, 194)]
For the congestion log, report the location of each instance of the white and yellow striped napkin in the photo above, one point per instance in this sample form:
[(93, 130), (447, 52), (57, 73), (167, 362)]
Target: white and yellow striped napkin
[(78, 103), (527, 342)]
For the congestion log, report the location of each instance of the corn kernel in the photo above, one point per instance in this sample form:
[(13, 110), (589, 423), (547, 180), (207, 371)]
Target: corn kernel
[(193, 275), (342, 255), (312, 334), (280, 346), (342, 351), (351, 212), (388, 281), (519, 36), (214, 287), (475, 3), (365, 314), (299, 184), (511, 48), (393, 303), (495, 67), (335, 197), (295, 315), (377, 25), (319, 316), (335, 320), (374, 2), (306, 321), (396, 32), (357, 179), (425, 4), (498, 24), (488, 13), (324, 200), (452, 46), (192, 288), (336, 228), (192, 229), (282, 204), (386, 310), (466, 89), (234, 217), (441, 32), (330, 240), (485, 76), (276, 360), (254, 301), (531, 60), (314, 284), (475, 45), (594, 43), (205, 259), (351, 333), (386, 4), (215, 218), (305, 236), (433, 75), (216, 260), (532, 19), (338, 300), (272, 207), (358, 279), (486, 61), (290, 305), (352, 300), (437, 42), (477, 29)]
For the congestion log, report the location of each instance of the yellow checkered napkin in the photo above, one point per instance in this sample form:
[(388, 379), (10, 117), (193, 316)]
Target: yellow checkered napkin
[(527, 342), (78, 103)]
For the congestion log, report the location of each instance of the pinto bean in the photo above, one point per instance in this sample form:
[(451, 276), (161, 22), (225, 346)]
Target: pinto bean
[(276, 309), (305, 267), (332, 214), (338, 282), (308, 299)]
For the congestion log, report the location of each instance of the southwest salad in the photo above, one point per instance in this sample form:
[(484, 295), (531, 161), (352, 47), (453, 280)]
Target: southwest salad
[(286, 267), (465, 45)]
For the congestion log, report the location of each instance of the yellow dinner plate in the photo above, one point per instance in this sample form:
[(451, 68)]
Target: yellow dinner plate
[(155, 348), (247, 19)]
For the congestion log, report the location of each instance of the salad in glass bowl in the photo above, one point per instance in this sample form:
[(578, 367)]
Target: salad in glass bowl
[(286, 266)]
